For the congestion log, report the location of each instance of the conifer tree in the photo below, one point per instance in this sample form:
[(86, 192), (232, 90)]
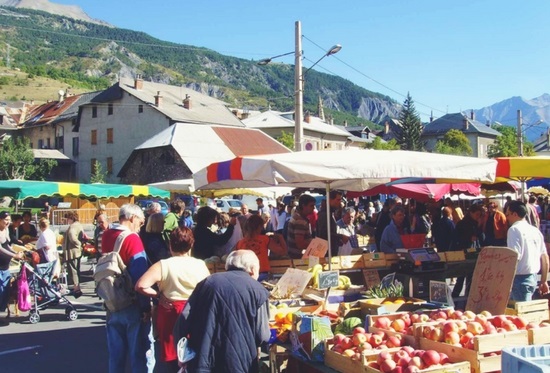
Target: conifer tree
[(408, 133)]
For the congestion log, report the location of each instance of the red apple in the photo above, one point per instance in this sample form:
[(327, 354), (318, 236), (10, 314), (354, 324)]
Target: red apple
[(415, 318), (411, 369), (486, 313), (437, 335), (430, 358), (417, 362), (407, 319), (383, 355), (466, 338), (356, 357), (489, 328), (347, 343), (427, 331), (399, 354), (358, 330), (520, 322), (393, 341), (456, 315), (337, 349), (498, 320), (387, 365), (509, 325), (443, 358), (375, 340), (480, 318), (382, 322), (531, 325), (408, 349), (469, 315), (450, 326), (338, 338)]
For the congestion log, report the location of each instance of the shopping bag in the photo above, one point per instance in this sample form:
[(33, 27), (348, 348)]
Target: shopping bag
[(24, 294), (312, 332)]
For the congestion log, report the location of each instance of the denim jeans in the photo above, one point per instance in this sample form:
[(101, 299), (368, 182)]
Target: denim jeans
[(523, 287), (4, 288), (127, 334)]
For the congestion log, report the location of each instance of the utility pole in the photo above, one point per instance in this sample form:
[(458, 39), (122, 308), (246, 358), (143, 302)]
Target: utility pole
[(298, 89), (520, 135)]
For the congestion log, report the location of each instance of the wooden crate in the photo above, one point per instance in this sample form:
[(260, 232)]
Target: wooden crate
[(351, 262), (483, 344), (539, 336), (374, 260), (409, 340), (391, 259), (345, 364), (442, 257), (532, 311), (459, 367), (279, 267), (454, 256)]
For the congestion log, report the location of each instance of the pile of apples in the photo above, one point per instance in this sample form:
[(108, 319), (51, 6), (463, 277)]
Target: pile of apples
[(408, 360), (361, 343), (462, 332), (403, 323)]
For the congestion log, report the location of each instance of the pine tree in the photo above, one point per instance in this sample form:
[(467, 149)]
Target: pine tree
[(98, 176), (408, 133)]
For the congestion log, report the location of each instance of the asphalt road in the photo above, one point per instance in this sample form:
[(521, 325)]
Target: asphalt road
[(56, 344)]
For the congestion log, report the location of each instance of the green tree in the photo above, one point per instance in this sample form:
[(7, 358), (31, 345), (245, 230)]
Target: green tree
[(378, 144), (506, 145), (17, 161), (454, 142), (98, 176), (287, 139), (410, 129)]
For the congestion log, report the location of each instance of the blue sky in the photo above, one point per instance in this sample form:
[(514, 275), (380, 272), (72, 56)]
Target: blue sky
[(449, 55)]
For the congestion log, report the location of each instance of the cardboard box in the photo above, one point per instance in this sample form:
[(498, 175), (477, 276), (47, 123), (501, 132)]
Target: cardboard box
[(380, 306)]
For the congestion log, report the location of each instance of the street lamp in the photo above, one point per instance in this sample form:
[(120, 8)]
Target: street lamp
[(299, 82)]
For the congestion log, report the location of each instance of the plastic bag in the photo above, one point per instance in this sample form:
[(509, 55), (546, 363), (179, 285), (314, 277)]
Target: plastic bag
[(24, 294)]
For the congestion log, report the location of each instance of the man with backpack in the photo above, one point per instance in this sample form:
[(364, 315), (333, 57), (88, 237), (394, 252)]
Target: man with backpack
[(128, 328)]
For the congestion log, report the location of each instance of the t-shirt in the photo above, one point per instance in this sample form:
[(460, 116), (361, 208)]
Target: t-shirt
[(529, 243), (259, 245), (131, 246), (180, 275), (297, 225), (47, 238)]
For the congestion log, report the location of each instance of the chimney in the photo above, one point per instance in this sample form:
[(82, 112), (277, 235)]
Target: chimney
[(466, 123), (472, 115), (187, 102), (331, 120), (386, 128), (61, 95), (138, 83), (158, 99), (345, 123), (488, 123), (307, 117)]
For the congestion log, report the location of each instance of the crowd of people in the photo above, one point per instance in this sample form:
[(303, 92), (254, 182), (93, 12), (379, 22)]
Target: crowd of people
[(225, 315)]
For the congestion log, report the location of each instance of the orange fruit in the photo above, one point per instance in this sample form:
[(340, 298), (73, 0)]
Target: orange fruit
[(288, 318), (280, 317)]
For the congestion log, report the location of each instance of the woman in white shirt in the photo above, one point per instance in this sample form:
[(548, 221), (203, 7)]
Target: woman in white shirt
[(47, 242)]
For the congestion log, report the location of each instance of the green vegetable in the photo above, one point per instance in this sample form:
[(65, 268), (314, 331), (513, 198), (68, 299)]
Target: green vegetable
[(346, 327)]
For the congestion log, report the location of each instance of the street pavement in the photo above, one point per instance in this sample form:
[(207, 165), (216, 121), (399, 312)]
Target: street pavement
[(56, 344)]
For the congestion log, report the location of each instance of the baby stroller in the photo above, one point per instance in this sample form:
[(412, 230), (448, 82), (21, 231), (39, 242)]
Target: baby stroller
[(44, 293)]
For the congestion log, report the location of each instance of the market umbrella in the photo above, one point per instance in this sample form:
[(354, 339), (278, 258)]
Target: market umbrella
[(523, 168), (21, 189), (351, 170), (421, 192), (538, 190)]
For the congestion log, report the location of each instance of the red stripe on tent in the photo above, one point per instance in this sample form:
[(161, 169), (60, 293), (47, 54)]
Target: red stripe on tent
[(235, 169), (212, 173), (503, 167)]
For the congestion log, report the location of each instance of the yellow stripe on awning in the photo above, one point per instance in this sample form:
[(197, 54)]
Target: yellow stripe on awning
[(69, 188), (138, 190)]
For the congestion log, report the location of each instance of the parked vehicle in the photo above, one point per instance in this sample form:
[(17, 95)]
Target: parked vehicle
[(144, 204), (225, 204)]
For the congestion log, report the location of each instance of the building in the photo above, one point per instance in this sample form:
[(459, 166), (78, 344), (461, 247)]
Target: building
[(542, 143), (185, 148), (132, 111), (480, 135), (318, 135)]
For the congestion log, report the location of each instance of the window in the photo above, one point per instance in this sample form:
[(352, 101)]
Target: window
[(48, 143), (94, 111), (110, 109), (140, 108), (59, 142), (94, 137), (40, 144), (109, 135), (75, 146), (109, 165), (92, 165)]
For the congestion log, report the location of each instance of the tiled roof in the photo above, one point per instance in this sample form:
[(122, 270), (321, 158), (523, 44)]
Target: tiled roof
[(455, 121)]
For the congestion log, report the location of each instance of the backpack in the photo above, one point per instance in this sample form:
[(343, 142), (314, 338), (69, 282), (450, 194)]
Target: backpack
[(113, 282)]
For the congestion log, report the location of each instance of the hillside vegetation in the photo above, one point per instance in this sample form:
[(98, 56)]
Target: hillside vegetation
[(88, 56)]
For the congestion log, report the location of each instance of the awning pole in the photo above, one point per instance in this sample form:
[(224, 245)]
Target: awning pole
[(329, 218)]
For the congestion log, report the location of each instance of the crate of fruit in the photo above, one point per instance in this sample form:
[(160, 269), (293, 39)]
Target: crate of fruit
[(532, 311), (352, 353), (397, 324), (539, 333), (477, 341), (410, 360)]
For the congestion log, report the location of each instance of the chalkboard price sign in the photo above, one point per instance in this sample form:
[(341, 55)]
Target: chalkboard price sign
[(328, 279)]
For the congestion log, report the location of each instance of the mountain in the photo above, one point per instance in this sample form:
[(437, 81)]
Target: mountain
[(535, 114), (71, 11), (70, 47)]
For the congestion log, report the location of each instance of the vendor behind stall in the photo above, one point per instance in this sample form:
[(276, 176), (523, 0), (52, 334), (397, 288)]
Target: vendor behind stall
[(391, 238)]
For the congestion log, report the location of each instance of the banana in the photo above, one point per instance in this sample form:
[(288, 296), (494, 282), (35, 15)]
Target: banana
[(315, 272)]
